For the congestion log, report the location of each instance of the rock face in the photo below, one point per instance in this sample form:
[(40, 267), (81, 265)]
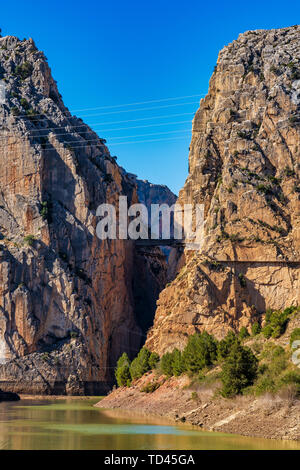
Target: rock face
[(149, 193), (67, 300), (244, 166), (151, 271)]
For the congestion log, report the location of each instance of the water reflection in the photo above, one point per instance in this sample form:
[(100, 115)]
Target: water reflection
[(76, 424)]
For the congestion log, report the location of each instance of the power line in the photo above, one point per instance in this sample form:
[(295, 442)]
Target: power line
[(110, 112), (140, 109), (137, 103), (109, 122), (109, 138), (96, 142), (147, 125), (143, 141), (106, 130), (144, 135)]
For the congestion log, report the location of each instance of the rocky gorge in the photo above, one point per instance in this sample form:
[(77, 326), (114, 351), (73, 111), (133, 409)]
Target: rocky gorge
[(71, 304), (244, 167)]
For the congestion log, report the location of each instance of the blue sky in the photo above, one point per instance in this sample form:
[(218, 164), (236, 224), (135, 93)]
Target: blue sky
[(106, 54)]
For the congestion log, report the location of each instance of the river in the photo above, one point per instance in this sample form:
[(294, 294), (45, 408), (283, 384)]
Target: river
[(71, 423)]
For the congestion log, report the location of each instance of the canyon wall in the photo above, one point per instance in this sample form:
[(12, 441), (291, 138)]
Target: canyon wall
[(67, 299), (244, 166)]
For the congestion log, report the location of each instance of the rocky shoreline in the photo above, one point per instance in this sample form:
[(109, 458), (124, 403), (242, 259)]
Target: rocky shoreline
[(266, 417)]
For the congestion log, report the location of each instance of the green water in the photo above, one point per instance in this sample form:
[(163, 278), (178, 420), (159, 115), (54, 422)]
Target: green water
[(33, 424)]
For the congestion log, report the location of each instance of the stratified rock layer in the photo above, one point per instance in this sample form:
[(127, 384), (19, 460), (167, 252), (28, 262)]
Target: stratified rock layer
[(67, 307), (245, 168)]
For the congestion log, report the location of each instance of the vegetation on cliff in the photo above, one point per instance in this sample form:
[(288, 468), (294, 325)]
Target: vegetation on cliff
[(240, 363)]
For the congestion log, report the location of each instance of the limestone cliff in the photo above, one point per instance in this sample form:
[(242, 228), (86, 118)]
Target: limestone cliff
[(244, 166), (150, 193), (67, 306)]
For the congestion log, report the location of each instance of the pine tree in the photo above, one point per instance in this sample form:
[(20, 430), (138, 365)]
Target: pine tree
[(244, 333), (239, 370), (225, 345), (122, 372), (166, 364), (200, 352), (256, 329), (177, 363), (153, 360), (140, 365)]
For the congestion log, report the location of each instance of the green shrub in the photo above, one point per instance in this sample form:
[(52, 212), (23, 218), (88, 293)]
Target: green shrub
[(225, 345), (24, 71), (255, 329), (123, 360), (166, 364), (45, 357), (200, 351), (291, 378), (242, 280), (295, 335), (140, 365), (269, 373), (243, 333), (153, 360), (263, 188), (24, 103), (267, 331), (276, 331), (150, 387), (29, 239), (257, 347), (279, 364), (265, 384), (172, 363), (122, 372), (289, 171), (244, 134), (45, 211), (276, 321), (295, 75), (32, 115), (178, 365), (239, 370)]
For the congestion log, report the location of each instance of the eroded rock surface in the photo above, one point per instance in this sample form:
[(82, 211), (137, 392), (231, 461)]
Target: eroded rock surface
[(244, 166), (67, 308)]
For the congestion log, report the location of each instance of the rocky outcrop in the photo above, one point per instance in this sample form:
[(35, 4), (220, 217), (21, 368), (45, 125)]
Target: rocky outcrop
[(149, 193), (67, 307), (244, 166)]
